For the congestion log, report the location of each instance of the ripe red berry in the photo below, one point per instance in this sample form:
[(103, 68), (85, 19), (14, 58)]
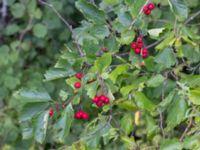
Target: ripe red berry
[(145, 8), (102, 98), (78, 115), (139, 39), (148, 12), (77, 85), (137, 50), (133, 45), (106, 100), (95, 99), (51, 112), (151, 6), (99, 103), (145, 53), (140, 45), (79, 75), (85, 115), (104, 49)]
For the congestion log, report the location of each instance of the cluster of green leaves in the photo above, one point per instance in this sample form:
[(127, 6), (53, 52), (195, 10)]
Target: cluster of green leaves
[(154, 101), (31, 37)]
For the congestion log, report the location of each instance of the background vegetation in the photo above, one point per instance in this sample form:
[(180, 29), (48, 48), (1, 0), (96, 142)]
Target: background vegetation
[(154, 101)]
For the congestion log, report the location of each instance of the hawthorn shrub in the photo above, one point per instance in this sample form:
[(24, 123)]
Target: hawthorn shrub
[(131, 79)]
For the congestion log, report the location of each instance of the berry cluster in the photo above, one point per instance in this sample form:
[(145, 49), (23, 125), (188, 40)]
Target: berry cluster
[(138, 47), (79, 76), (148, 8), (81, 115), (101, 100)]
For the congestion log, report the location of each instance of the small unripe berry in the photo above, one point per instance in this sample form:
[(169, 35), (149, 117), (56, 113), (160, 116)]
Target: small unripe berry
[(51, 112), (137, 50), (77, 85), (104, 49), (79, 75), (151, 6), (133, 45)]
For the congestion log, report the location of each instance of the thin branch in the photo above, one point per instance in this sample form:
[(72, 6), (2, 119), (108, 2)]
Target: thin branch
[(192, 17), (161, 124), (155, 43), (186, 129), (140, 12), (28, 27), (65, 22), (4, 8)]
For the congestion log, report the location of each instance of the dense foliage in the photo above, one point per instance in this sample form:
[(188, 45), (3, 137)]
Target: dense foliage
[(127, 76)]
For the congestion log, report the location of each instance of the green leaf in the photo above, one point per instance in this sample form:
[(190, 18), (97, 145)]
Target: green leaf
[(40, 30), (194, 96), (29, 110), (125, 90), (127, 123), (171, 144), (166, 101), (56, 73), (64, 123), (126, 104), (168, 41), (178, 107), (90, 11), (118, 71), (166, 58), (151, 126), (12, 29), (18, 10), (179, 9), (191, 80), (136, 6), (155, 81), (127, 37), (41, 127), (103, 62), (27, 133), (155, 32), (92, 89), (143, 102), (4, 54), (27, 96), (100, 31)]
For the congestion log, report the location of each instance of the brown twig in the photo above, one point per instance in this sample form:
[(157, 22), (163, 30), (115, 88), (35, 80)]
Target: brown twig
[(65, 22), (192, 17), (186, 129)]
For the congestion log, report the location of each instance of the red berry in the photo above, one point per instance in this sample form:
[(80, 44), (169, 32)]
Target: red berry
[(133, 45), (145, 53), (85, 115), (51, 112), (99, 103), (106, 100), (78, 115), (140, 45), (102, 98), (145, 8), (139, 39), (77, 85), (104, 49), (95, 99), (148, 12), (151, 6), (137, 50), (79, 75)]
